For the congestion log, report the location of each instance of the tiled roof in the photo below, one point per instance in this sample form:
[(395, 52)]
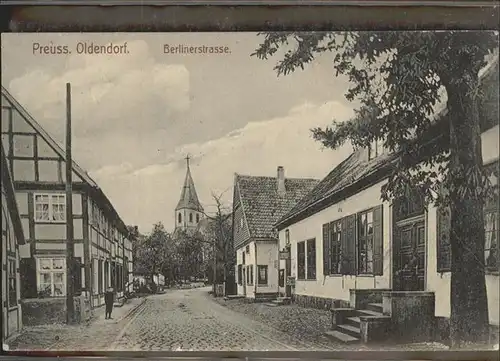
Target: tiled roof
[(263, 206), (357, 168), (352, 169)]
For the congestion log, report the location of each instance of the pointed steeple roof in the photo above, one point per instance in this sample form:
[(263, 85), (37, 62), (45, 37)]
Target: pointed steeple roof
[(189, 198)]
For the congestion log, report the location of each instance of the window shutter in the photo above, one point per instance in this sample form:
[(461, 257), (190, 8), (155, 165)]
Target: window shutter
[(326, 249), (349, 245), (378, 242), (443, 239), (77, 275), (27, 271)]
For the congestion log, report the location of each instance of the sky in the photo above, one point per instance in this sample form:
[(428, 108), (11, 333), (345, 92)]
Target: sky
[(137, 115)]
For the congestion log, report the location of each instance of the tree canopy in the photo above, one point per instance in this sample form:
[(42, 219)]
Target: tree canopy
[(399, 79)]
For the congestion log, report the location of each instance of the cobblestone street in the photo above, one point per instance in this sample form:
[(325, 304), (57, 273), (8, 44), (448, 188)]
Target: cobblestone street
[(191, 320), (177, 320)]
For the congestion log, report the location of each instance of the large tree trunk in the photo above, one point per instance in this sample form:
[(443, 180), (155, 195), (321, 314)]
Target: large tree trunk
[(469, 306)]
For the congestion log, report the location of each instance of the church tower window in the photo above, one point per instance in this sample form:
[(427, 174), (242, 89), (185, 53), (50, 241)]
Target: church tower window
[(190, 217), (180, 218)]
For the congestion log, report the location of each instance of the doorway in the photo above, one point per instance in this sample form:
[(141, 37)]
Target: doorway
[(409, 255)]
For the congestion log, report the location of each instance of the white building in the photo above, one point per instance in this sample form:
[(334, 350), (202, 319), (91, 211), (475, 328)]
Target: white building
[(346, 243), (258, 202)]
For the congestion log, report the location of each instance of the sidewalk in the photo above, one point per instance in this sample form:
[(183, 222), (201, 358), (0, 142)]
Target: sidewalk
[(96, 334), (118, 314)]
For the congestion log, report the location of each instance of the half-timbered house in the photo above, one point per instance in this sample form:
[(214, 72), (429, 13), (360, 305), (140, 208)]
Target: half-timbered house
[(102, 247), (12, 238), (367, 257), (258, 202)]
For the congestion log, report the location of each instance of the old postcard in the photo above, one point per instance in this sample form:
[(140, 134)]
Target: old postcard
[(250, 191)]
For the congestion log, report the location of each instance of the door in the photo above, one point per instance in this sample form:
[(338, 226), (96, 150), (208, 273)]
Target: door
[(409, 256)]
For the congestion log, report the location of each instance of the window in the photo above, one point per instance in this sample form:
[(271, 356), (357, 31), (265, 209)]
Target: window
[(287, 237), (51, 276), (99, 274), (240, 274), (311, 259), (336, 247), (50, 207), (365, 242), (262, 275), (491, 245), (491, 224), (179, 218), (197, 218), (190, 217), (301, 260), (376, 149), (247, 249), (12, 283)]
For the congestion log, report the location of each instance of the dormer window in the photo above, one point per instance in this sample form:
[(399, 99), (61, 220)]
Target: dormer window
[(376, 149)]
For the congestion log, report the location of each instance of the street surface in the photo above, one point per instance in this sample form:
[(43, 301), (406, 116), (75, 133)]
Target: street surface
[(183, 320), (191, 320)]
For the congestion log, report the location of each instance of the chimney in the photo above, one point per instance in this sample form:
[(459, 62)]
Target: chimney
[(281, 181)]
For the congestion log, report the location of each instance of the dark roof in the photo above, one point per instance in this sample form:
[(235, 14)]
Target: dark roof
[(94, 189), (11, 200), (263, 206), (357, 172), (189, 197)]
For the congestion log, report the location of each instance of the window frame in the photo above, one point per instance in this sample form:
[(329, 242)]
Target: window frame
[(364, 237), (12, 280), (301, 256), (494, 212), (51, 271), (376, 148), (335, 239), (262, 281), (50, 204)]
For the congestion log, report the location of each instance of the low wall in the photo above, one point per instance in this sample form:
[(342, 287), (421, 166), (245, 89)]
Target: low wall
[(321, 303), (412, 315), (43, 311)]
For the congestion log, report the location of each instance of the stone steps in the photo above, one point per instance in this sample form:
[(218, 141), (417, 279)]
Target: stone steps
[(342, 337), (349, 331)]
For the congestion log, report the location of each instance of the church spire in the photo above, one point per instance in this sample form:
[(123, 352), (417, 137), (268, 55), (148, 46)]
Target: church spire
[(189, 197)]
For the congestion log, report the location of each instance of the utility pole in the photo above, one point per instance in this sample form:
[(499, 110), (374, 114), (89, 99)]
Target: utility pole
[(215, 266), (70, 307)]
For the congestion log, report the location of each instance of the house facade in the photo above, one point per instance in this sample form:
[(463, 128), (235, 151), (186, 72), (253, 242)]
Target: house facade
[(258, 202), (346, 243), (102, 246), (12, 238)]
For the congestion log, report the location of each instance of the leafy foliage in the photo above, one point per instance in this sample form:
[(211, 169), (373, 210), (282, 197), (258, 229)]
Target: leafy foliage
[(399, 78)]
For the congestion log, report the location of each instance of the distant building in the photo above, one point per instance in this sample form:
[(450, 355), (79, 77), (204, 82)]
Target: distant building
[(189, 211), (103, 251), (12, 237), (258, 203)]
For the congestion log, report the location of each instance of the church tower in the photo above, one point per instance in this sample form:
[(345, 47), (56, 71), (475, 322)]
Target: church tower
[(189, 211)]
